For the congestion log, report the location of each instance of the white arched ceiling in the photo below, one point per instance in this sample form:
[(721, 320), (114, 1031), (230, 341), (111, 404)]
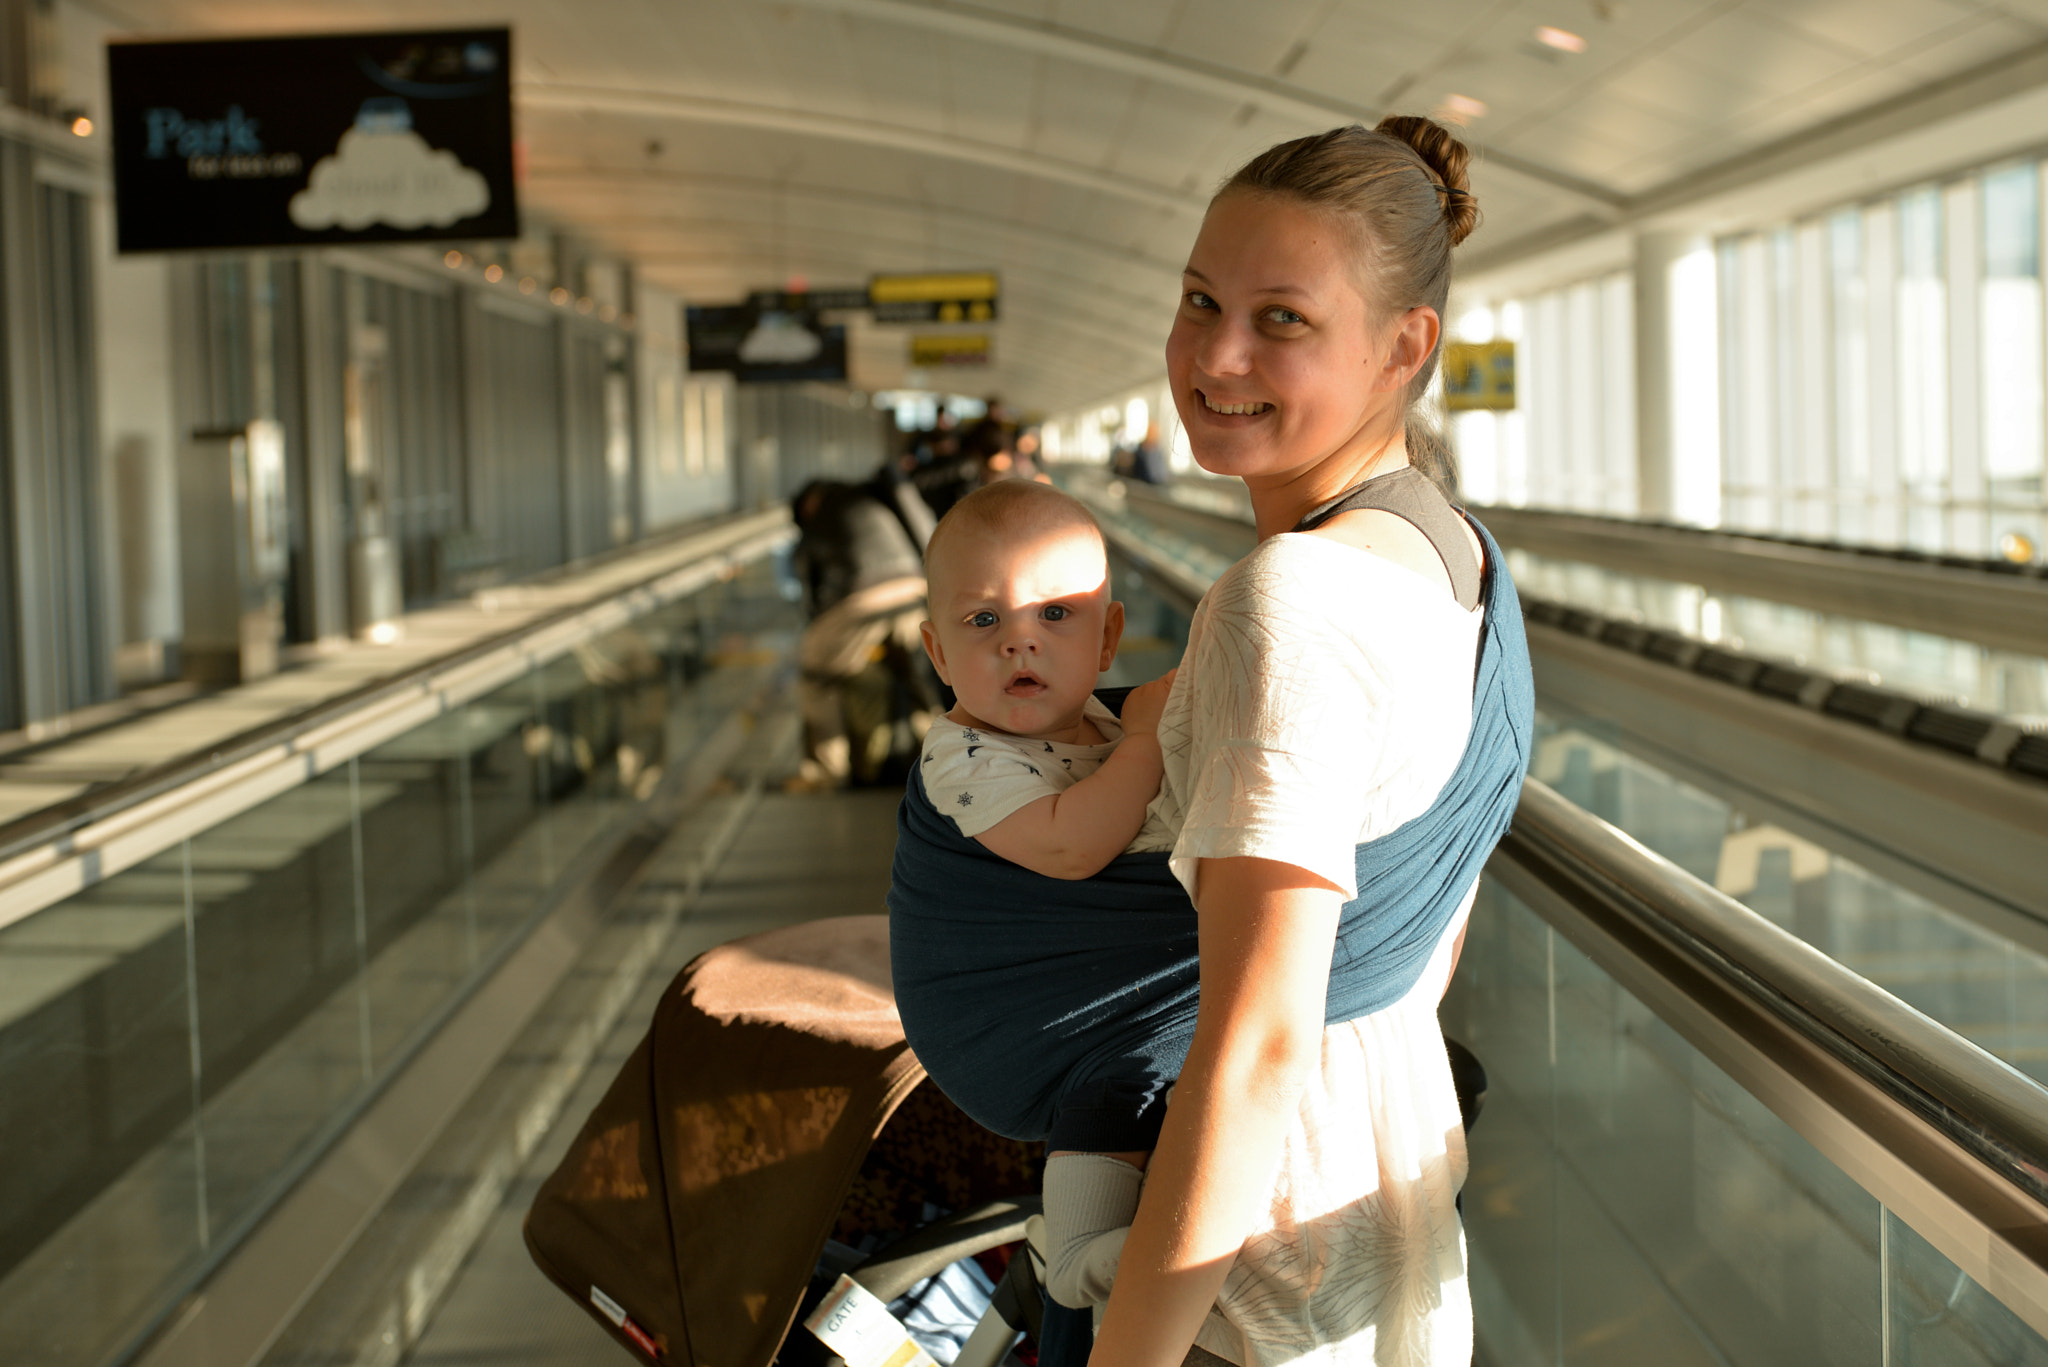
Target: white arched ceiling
[(725, 145)]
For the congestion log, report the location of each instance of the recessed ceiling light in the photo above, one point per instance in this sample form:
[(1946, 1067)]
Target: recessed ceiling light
[(1562, 39), (1461, 109)]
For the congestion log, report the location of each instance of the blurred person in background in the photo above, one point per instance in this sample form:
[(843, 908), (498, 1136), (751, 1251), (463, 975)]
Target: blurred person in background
[(862, 683), (1145, 461)]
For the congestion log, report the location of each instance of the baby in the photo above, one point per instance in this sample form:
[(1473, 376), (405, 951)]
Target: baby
[(1032, 765)]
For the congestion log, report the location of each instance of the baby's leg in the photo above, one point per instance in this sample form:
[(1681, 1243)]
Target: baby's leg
[(1090, 1201)]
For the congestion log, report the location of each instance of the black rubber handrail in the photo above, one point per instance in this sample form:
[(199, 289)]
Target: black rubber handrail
[(1989, 1108), (50, 823)]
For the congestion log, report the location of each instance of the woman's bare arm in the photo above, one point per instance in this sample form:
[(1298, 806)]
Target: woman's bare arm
[(1267, 930)]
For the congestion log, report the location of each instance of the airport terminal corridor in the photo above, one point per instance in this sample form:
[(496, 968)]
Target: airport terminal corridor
[(485, 494)]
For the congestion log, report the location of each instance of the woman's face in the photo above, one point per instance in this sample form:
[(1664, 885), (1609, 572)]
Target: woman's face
[(1276, 360)]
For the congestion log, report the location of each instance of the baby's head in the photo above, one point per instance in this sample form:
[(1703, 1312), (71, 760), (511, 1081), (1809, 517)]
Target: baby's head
[(1021, 618)]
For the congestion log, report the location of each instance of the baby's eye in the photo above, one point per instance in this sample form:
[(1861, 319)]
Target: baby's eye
[(982, 619), (1057, 612)]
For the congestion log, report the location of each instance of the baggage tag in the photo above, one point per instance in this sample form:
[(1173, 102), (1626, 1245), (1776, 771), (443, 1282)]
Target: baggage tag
[(854, 1324)]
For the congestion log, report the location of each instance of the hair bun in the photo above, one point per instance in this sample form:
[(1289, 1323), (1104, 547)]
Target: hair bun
[(1447, 160)]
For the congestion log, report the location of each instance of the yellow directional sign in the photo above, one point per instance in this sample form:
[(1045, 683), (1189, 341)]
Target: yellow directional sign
[(952, 348), (1479, 375), (935, 297)]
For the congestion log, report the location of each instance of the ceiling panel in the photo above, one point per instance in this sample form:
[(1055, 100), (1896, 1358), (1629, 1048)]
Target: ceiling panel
[(1874, 28)]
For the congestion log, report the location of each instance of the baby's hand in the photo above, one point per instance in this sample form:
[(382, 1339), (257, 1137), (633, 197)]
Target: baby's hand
[(1144, 704)]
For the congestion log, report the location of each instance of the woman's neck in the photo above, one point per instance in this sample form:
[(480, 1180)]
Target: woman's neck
[(1280, 502)]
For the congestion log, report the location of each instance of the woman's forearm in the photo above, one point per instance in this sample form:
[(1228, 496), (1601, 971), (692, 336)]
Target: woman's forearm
[(1207, 1183), (1266, 934)]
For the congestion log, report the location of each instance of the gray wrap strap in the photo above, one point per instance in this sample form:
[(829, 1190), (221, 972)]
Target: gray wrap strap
[(1410, 495)]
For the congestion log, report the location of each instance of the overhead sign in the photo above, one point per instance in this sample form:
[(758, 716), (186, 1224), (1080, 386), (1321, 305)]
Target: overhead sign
[(938, 297), (280, 142), (1479, 375), (949, 348), (760, 346)]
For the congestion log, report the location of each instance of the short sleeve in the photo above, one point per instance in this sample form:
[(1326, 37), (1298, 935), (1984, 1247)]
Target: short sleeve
[(1286, 744), (979, 783)]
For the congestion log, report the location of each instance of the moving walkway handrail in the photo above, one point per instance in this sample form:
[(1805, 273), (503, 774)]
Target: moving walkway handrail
[(1993, 1110), (326, 732)]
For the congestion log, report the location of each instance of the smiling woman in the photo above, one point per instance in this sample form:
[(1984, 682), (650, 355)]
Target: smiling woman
[(1352, 715)]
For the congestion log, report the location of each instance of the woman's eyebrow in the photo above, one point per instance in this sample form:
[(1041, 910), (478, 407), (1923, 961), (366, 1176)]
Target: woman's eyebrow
[(1264, 290)]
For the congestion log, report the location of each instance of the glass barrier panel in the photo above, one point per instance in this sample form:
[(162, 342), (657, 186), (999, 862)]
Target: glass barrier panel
[(1630, 1203), (178, 1041)]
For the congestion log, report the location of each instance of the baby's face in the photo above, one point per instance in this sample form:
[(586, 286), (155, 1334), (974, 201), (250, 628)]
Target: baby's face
[(1022, 624)]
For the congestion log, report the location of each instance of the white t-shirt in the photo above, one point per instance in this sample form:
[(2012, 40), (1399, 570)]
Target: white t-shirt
[(979, 777), (1324, 700)]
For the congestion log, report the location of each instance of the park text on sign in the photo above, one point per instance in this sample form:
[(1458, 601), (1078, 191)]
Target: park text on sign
[(283, 142), (935, 297), (950, 349), (1479, 376)]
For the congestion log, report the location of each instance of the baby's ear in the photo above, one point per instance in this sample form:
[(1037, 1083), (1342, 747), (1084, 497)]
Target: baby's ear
[(1112, 633), (929, 634)]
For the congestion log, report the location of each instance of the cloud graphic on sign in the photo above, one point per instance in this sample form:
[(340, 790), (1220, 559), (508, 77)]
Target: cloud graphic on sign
[(390, 176), (780, 339)]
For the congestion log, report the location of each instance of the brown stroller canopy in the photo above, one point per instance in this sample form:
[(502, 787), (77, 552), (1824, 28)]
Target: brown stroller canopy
[(690, 1210)]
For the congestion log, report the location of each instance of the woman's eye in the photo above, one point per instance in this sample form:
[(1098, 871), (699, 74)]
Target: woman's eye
[(1056, 613), (1195, 299), (982, 619), (1287, 316)]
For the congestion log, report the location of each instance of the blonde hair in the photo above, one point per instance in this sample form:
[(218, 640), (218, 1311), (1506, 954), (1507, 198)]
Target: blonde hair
[(1402, 186)]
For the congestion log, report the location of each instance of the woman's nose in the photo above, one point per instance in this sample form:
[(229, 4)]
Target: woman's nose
[(1225, 350)]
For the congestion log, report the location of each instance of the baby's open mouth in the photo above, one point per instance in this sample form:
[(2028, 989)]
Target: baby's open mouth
[(1024, 684)]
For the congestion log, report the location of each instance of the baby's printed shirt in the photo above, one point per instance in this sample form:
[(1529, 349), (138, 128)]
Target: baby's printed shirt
[(979, 777)]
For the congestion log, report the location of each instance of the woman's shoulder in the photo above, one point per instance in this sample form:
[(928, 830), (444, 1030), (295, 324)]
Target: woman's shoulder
[(1299, 575)]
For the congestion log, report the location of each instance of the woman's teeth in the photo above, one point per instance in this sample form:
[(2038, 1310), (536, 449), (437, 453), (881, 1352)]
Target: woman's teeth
[(1234, 408)]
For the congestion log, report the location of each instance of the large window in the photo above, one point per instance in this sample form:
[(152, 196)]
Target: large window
[(1883, 370), (1571, 440)]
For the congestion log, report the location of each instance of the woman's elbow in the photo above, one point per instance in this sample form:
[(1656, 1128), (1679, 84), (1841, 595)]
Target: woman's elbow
[(1275, 1061)]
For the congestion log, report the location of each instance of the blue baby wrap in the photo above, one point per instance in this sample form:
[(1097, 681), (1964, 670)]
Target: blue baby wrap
[(1017, 989)]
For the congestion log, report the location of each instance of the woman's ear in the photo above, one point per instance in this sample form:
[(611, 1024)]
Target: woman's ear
[(1112, 633), (936, 652), (1412, 343)]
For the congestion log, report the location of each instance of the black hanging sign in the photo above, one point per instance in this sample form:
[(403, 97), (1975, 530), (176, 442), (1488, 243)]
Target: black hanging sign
[(760, 346), (281, 142)]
